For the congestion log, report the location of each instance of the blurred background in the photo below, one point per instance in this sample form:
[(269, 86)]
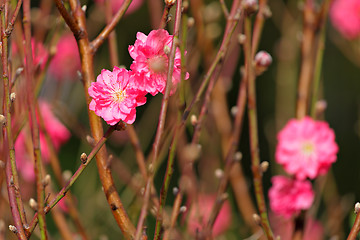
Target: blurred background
[(336, 192)]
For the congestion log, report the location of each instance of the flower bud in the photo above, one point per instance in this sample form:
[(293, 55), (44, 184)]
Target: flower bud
[(219, 173), (262, 62), (190, 22), (264, 166), (83, 158), (170, 2), (241, 38), (320, 106), (2, 119), (256, 218), (67, 174), (234, 110), (33, 204), (166, 49), (183, 209), (357, 207), (12, 97), (250, 6), (193, 120), (237, 156), (46, 181), (13, 228), (90, 140)]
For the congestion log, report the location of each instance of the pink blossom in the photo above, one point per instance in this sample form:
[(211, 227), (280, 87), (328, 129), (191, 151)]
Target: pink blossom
[(116, 4), (290, 196), (39, 53), (24, 149), (345, 16), (199, 215), (151, 62), (306, 148), (63, 205), (115, 96), (66, 61)]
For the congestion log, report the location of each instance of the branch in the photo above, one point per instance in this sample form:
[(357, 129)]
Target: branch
[(253, 131), (99, 40), (72, 180), (70, 20)]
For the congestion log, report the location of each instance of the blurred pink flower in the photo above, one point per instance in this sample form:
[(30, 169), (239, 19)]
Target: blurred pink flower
[(345, 16), (39, 53), (289, 196), (115, 96), (151, 61), (199, 215), (24, 148), (284, 228), (63, 205), (306, 148), (66, 61), (116, 4)]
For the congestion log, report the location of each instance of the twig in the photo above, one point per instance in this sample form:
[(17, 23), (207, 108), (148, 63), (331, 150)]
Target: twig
[(258, 25), (229, 160), (29, 71), (224, 8), (99, 40), (204, 108), (165, 16), (72, 180), (16, 205), (12, 201), (221, 54), (174, 216), (113, 48), (319, 55), (10, 25), (69, 19), (307, 64), (161, 123), (253, 131), (356, 227), (55, 164)]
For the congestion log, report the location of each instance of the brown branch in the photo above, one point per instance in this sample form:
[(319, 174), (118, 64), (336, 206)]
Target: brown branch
[(10, 25), (70, 20), (253, 131), (72, 180), (114, 201), (99, 40), (356, 227), (308, 60), (12, 180)]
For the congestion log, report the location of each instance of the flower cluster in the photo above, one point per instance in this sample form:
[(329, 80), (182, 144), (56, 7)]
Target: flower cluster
[(24, 151), (345, 16), (306, 149), (289, 196), (116, 94)]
